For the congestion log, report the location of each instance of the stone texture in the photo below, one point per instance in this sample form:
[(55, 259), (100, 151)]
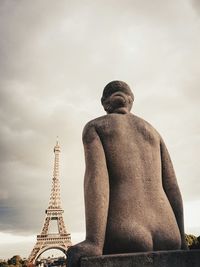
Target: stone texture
[(132, 199), (149, 259)]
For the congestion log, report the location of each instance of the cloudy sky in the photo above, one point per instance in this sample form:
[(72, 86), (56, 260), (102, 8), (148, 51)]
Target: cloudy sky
[(55, 59)]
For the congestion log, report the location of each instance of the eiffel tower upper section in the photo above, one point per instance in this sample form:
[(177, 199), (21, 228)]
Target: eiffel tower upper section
[(55, 201)]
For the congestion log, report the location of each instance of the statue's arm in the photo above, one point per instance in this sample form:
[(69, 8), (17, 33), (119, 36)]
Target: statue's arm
[(96, 187), (96, 194), (172, 191)]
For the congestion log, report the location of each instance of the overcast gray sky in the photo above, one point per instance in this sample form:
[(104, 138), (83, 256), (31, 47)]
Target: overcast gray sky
[(55, 59)]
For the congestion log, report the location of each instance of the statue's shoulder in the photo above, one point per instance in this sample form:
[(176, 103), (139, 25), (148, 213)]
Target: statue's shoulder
[(91, 128), (95, 123), (145, 128)]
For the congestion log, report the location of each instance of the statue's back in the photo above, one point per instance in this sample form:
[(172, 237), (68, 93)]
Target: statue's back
[(139, 208)]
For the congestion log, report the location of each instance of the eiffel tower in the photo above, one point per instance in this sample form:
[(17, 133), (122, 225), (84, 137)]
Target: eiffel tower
[(46, 240)]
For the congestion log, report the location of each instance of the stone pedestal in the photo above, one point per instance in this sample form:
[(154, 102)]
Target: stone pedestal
[(177, 258)]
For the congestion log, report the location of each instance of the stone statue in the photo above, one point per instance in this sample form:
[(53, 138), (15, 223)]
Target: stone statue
[(132, 199)]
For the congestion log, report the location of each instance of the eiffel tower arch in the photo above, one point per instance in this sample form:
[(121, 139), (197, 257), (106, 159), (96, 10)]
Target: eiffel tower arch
[(47, 240)]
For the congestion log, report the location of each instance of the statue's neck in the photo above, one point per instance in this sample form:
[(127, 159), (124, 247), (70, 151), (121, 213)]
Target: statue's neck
[(121, 110)]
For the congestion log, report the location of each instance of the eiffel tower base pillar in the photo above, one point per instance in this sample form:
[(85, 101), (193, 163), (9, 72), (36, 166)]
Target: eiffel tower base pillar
[(45, 243)]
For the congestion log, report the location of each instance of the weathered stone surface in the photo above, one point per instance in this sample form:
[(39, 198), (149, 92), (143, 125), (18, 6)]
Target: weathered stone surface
[(132, 199), (176, 258)]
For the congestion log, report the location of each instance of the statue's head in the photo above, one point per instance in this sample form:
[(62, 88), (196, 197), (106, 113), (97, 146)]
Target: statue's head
[(117, 97)]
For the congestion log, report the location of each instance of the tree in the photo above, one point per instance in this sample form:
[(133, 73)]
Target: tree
[(193, 242), (3, 263), (15, 261)]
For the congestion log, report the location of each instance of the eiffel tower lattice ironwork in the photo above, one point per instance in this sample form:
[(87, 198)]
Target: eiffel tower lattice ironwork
[(46, 240)]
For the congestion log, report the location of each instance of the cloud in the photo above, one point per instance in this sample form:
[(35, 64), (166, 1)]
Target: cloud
[(196, 5)]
